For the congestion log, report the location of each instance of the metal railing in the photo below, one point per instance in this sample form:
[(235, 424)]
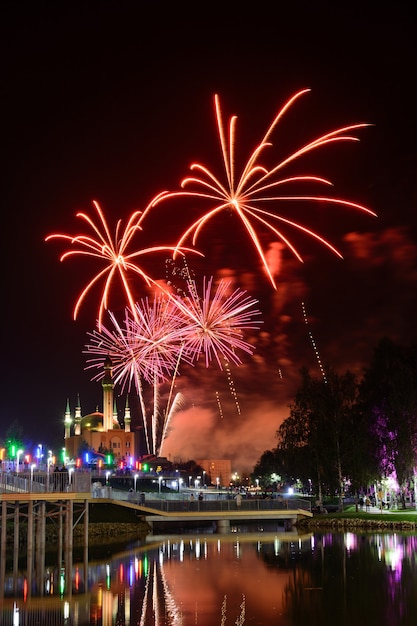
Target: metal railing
[(218, 504), (80, 481), (44, 481)]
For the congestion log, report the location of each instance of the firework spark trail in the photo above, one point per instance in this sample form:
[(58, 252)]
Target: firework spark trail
[(113, 252), (257, 185), (232, 387), (241, 618), (224, 611), (219, 404), (172, 611), (172, 406), (175, 406), (155, 416), (180, 279), (313, 343), (146, 596)]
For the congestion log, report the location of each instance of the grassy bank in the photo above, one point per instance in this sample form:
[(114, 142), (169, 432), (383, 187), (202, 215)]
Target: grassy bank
[(350, 519)]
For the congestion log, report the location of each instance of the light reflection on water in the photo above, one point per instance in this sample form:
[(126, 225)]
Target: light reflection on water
[(256, 578)]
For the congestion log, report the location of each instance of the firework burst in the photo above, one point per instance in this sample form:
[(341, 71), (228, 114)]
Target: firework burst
[(214, 324), (151, 344), (247, 194), (113, 252), (145, 348)]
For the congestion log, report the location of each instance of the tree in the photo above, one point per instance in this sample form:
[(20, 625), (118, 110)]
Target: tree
[(269, 465), (14, 438), (360, 462), (318, 426), (389, 395)]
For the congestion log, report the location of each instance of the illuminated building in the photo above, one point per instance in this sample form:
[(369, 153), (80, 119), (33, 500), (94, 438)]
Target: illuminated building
[(102, 431), (219, 470)]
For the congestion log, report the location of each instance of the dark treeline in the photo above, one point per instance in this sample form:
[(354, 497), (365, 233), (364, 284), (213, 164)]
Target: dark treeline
[(344, 434)]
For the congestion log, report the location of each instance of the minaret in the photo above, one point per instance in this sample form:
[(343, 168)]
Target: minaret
[(115, 418), (77, 417), (107, 384), (127, 416), (67, 420)]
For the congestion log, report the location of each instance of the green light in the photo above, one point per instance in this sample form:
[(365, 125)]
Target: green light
[(62, 583), (145, 565)]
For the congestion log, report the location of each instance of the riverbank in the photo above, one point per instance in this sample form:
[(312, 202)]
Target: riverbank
[(107, 522), (350, 519)]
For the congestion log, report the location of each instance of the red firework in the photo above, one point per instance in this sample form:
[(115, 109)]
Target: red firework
[(246, 194), (113, 252)]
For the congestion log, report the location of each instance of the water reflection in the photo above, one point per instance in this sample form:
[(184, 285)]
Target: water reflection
[(238, 578)]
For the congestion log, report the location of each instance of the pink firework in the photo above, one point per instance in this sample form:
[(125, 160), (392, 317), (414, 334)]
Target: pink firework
[(215, 323), (147, 347), (113, 252), (152, 343), (247, 194)]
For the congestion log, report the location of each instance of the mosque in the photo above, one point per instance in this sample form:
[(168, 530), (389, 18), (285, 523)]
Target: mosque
[(102, 432)]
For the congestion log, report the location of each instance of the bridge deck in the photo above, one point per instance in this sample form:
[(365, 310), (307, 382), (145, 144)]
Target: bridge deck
[(56, 496), (169, 510), (177, 511)]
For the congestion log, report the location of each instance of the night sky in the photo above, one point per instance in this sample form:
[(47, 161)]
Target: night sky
[(112, 101)]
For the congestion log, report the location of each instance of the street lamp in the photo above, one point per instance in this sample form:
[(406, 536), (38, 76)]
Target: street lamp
[(135, 477), (70, 471), (18, 454), (189, 481), (32, 467)]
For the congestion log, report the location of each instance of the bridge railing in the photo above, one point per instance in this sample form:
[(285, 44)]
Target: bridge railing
[(206, 506), (44, 481)]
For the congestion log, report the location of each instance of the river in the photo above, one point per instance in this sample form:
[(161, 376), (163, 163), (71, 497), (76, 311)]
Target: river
[(250, 576)]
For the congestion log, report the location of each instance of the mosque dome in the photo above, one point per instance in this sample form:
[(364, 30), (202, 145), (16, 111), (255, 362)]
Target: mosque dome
[(93, 421)]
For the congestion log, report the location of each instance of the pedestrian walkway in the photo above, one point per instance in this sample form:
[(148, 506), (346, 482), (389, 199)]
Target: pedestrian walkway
[(375, 509)]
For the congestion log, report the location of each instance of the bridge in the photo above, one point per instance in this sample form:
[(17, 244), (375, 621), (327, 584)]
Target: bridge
[(156, 509), (220, 511), (31, 500)]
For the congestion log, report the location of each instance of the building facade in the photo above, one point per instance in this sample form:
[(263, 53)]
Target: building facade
[(219, 471)]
